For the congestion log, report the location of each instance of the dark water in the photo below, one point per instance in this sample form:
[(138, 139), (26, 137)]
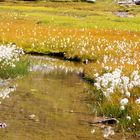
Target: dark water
[(48, 104)]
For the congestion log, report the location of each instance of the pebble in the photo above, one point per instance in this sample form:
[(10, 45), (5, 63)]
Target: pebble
[(3, 125), (33, 117)]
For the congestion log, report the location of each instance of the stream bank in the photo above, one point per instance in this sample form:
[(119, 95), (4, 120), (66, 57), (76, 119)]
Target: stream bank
[(49, 103)]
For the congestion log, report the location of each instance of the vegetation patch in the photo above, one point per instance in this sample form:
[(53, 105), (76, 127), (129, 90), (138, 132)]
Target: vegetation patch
[(12, 63)]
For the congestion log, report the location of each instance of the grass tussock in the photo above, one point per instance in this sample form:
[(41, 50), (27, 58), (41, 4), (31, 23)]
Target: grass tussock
[(12, 61), (20, 70)]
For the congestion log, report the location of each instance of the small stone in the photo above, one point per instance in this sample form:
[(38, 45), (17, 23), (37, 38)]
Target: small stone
[(3, 125), (32, 116), (36, 120), (138, 136), (71, 111), (92, 131)]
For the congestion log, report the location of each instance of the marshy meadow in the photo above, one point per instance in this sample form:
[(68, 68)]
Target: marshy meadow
[(69, 70)]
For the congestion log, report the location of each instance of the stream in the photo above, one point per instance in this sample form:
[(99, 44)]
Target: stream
[(48, 104)]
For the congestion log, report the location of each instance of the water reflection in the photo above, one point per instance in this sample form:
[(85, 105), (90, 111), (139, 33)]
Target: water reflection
[(4, 92), (39, 64), (6, 88)]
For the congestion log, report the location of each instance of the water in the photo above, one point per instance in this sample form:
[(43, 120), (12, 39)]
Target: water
[(49, 104)]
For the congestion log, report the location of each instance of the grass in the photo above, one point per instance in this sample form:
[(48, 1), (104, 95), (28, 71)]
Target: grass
[(20, 70), (87, 32), (92, 16)]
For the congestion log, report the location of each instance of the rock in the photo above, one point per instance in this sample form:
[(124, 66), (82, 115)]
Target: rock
[(92, 131), (33, 117), (91, 1), (123, 14), (138, 136), (110, 121), (3, 125), (125, 2), (108, 131), (137, 2)]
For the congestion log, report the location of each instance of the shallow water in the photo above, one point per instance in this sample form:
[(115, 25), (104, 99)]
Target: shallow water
[(48, 104)]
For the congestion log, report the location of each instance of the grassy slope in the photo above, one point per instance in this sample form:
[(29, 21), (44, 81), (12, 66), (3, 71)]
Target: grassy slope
[(77, 15), (28, 24)]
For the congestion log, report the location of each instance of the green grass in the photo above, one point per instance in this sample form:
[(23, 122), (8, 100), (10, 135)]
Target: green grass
[(20, 70), (77, 15)]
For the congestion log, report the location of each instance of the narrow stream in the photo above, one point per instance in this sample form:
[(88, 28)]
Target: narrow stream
[(48, 104)]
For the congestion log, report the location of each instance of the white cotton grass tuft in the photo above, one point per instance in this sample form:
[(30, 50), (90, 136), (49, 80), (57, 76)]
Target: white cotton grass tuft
[(137, 101), (9, 55), (122, 108), (128, 117), (111, 81), (116, 82), (123, 101)]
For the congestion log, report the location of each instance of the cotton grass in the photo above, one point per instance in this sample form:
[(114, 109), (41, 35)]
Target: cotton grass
[(12, 62)]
